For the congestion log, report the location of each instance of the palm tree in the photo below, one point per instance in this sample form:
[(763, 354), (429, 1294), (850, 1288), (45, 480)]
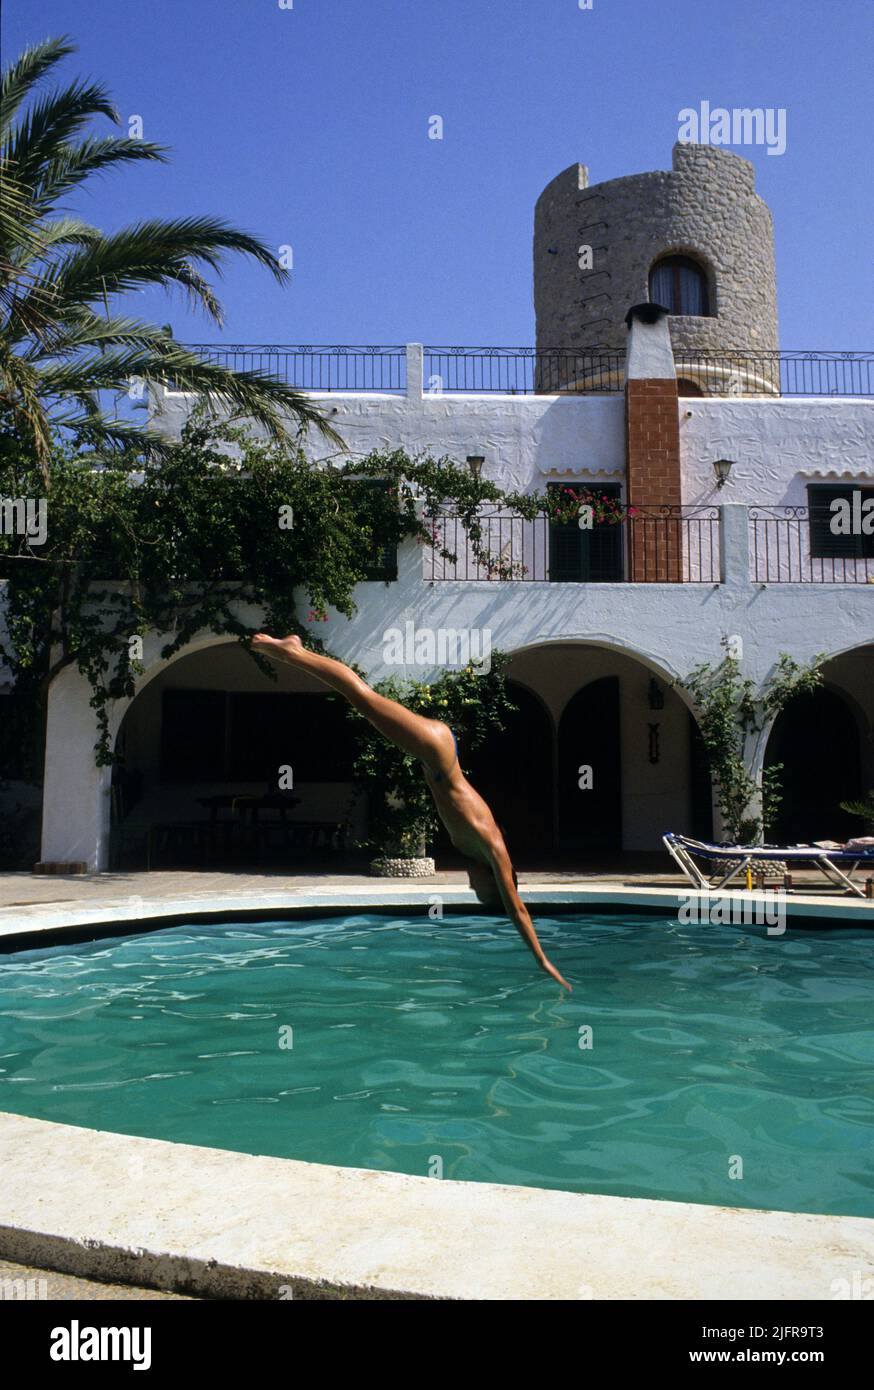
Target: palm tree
[(58, 351)]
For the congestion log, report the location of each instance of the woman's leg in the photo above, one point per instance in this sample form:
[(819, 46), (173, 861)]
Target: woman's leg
[(427, 739)]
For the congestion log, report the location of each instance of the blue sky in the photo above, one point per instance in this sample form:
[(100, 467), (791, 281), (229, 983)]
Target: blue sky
[(309, 127)]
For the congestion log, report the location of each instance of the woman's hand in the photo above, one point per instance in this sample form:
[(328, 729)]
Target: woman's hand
[(551, 970)]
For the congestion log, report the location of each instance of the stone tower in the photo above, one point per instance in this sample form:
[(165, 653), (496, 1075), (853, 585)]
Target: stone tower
[(702, 220)]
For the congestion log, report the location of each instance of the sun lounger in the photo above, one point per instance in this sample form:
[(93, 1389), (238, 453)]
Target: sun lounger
[(728, 861)]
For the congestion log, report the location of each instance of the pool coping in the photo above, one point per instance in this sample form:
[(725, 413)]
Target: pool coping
[(31, 920), (217, 1224)]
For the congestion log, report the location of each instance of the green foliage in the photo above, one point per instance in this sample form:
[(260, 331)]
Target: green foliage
[(863, 807), (730, 708), (180, 546), (401, 812)]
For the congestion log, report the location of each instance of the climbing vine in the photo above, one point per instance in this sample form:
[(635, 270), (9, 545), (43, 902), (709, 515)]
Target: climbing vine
[(730, 709), (225, 522)]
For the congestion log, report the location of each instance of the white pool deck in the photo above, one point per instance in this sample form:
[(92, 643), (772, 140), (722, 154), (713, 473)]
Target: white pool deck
[(212, 1223), (30, 905), (218, 1224)]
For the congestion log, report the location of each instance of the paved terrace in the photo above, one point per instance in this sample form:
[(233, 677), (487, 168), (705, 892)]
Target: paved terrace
[(23, 889), (42, 903)]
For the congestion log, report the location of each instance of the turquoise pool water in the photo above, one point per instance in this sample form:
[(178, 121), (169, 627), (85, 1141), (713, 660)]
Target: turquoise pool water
[(419, 1043)]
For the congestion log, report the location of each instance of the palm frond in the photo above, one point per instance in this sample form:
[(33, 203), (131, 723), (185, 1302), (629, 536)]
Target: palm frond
[(261, 397), (20, 395), (119, 434), (57, 354), (21, 77), (72, 164), (50, 122)]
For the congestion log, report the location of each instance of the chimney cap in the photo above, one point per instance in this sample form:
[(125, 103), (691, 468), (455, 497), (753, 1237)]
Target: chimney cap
[(647, 313)]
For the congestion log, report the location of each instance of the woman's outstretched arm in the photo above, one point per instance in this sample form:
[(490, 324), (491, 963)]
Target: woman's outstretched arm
[(518, 912)]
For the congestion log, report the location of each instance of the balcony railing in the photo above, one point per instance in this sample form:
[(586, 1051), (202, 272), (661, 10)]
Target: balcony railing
[(787, 548), (525, 371), (521, 371), (316, 368), (777, 373), (644, 545)]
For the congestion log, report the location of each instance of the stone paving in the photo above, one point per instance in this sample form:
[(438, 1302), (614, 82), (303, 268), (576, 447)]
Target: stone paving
[(29, 890)]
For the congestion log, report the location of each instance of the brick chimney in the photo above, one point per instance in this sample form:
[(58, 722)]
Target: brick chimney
[(652, 444)]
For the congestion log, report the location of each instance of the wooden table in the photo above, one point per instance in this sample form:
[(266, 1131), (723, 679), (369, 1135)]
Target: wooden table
[(252, 805)]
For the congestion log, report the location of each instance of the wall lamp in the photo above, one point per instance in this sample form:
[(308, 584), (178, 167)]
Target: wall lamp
[(722, 468), (475, 464), (655, 694)]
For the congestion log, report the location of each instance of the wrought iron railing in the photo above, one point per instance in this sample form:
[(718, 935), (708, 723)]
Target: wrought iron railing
[(523, 371), (316, 368), (745, 373), (644, 545), (787, 547)]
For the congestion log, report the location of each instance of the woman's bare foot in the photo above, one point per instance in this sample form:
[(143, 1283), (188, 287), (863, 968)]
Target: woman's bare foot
[(282, 649)]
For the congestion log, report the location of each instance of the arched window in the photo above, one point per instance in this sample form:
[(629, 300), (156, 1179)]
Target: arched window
[(679, 284), (687, 387)]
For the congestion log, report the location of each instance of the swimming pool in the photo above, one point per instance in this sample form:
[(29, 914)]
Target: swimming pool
[(437, 1047)]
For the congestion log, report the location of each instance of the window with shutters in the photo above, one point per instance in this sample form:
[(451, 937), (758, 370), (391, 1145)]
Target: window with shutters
[(827, 540), (586, 555)]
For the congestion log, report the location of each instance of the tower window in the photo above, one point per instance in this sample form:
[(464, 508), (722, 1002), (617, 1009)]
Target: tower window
[(679, 284)]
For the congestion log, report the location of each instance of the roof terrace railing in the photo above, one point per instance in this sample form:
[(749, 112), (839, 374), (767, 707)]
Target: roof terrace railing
[(521, 371), (315, 368), (776, 373), (527, 371)]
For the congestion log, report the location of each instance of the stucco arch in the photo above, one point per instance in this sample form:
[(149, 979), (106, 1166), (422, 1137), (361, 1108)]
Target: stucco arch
[(759, 743), (158, 665), (657, 793), (657, 665)]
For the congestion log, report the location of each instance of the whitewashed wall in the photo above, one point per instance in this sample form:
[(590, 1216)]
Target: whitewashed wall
[(667, 628), (777, 446)]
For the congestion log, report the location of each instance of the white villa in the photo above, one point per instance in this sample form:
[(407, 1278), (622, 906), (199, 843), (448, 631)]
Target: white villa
[(728, 453)]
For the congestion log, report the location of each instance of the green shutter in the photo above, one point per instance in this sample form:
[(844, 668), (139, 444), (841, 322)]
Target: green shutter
[(824, 543), (577, 556)]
